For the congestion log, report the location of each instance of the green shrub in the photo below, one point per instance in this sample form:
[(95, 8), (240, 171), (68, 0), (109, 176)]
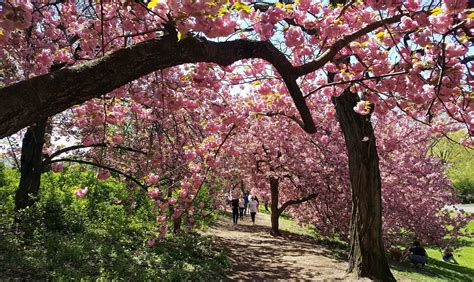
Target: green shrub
[(97, 237), (3, 177)]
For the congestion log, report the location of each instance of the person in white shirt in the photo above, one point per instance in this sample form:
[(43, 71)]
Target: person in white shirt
[(241, 208), (253, 206)]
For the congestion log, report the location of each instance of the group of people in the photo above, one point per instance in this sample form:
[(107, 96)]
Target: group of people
[(240, 204), (418, 256)]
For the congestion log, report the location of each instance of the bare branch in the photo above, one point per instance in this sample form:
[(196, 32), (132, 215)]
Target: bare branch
[(143, 186), (77, 147)]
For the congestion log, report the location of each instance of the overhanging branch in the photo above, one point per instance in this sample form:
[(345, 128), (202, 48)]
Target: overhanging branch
[(43, 96), (341, 43), (143, 186), (77, 147), (296, 202), (30, 100)]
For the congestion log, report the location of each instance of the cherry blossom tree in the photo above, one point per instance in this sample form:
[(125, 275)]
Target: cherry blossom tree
[(369, 57)]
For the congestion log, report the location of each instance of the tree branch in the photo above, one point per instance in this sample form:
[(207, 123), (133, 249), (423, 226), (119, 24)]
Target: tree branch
[(353, 80), (296, 202), (292, 117), (77, 147), (341, 43), (27, 101), (104, 167), (37, 98)]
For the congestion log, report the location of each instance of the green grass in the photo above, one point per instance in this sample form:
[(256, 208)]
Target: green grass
[(97, 256), (461, 164), (437, 269), (289, 225)]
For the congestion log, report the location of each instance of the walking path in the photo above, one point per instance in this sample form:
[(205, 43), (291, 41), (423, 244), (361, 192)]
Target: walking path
[(256, 255), (465, 207)]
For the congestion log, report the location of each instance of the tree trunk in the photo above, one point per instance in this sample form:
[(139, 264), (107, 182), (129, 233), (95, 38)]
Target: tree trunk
[(177, 225), (31, 165), (367, 256), (275, 215)]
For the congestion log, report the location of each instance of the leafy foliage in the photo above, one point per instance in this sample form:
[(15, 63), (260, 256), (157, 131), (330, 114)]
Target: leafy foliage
[(103, 235), (461, 164)]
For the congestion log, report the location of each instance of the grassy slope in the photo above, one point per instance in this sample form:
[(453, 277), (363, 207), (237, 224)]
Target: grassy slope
[(437, 269), (460, 164)]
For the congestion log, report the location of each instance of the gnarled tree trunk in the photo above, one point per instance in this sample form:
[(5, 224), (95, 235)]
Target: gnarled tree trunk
[(367, 256)]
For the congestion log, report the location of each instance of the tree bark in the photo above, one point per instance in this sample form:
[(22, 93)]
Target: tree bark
[(177, 225), (37, 98), (31, 165), (367, 255), (275, 212)]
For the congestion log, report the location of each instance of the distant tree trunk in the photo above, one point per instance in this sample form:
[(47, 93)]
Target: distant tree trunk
[(275, 212), (367, 256), (31, 165), (176, 221), (177, 225)]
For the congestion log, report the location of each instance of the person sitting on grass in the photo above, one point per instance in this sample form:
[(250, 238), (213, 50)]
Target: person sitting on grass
[(417, 254), (448, 256)]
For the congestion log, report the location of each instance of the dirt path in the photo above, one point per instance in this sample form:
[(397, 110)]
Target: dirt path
[(257, 255)]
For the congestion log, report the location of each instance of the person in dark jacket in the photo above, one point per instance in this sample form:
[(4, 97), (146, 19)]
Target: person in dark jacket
[(448, 256), (235, 206), (246, 202), (417, 254)]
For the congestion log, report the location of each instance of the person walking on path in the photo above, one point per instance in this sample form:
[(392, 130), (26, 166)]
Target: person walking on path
[(235, 206), (241, 208), (253, 206), (246, 201)]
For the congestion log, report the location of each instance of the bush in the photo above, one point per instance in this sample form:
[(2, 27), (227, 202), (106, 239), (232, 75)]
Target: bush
[(3, 177), (465, 189), (103, 235)]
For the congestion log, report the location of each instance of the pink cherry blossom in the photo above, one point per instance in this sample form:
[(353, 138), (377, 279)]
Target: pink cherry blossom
[(150, 243), (103, 174), (362, 108), (153, 193), (294, 37), (152, 179), (57, 167), (81, 193)]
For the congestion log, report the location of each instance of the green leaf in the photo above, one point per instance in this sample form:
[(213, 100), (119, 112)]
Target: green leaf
[(152, 4), (241, 6), (181, 36), (436, 11), (380, 36)]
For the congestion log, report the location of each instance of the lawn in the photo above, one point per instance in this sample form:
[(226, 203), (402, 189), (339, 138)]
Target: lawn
[(437, 269)]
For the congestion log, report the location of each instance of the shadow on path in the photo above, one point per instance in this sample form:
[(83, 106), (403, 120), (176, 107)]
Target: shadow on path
[(256, 255)]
